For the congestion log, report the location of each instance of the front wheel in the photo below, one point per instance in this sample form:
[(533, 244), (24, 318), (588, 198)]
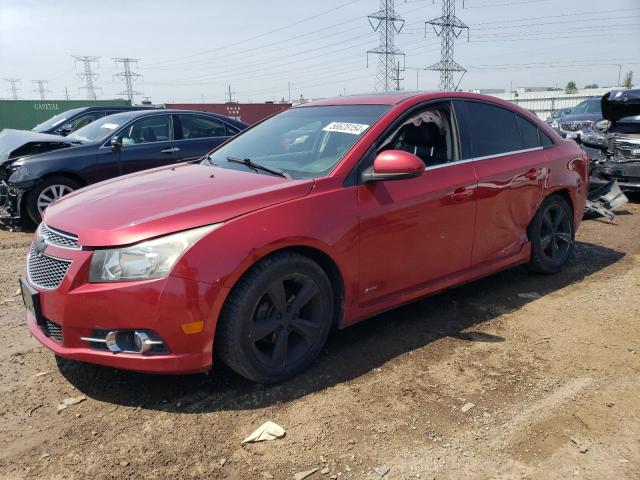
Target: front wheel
[(276, 319), (552, 235), (47, 192)]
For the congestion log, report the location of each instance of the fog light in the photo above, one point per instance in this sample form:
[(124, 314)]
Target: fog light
[(127, 341), (142, 342), (111, 340)]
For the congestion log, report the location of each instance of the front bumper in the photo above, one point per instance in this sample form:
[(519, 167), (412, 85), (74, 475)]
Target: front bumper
[(79, 308), (627, 174), (10, 204)]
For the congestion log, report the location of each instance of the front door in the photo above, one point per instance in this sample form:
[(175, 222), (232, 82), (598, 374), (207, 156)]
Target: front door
[(417, 230)]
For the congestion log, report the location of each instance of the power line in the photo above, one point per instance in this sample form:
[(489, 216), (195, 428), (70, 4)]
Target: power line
[(225, 47), (129, 76), (13, 87), (387, 23), (448, 27), (88, 75)]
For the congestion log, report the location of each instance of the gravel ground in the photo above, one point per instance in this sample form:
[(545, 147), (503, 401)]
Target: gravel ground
[(474, 383)]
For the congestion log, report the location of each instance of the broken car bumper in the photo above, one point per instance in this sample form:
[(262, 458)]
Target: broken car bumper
[(627, 174)]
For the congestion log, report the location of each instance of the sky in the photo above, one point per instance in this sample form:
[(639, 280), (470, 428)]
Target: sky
[(193, 50)]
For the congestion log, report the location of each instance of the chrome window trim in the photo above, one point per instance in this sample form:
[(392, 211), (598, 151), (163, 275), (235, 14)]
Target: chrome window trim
[(486, 157)]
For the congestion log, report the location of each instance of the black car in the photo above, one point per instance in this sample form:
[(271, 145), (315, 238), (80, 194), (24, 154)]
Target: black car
[(613, 145), (36, 169), (583, 115), (69, 121), (556, 114)]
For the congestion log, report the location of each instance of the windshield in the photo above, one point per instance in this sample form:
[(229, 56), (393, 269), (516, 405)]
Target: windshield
[(588, 106), (304, 142), (56, 120), (100, 129)]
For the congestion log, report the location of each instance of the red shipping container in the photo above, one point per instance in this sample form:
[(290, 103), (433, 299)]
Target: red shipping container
[(245, 112)]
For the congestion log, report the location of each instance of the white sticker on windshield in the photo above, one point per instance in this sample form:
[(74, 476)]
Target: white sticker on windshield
[(353, 128), (110, 126)]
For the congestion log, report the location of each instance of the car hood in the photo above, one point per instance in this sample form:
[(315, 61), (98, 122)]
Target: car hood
[(157, 202), (20, 143), (580, 117), (618, 104)]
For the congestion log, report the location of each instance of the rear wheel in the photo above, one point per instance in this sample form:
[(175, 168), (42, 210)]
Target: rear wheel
[(552, 235), (47, 192), (276, 319)]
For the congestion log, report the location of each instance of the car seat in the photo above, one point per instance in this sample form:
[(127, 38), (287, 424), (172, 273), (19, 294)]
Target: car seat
[(425, 141)]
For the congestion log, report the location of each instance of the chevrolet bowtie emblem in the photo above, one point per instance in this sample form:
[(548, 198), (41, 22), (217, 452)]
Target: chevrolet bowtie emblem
[(40, 246)]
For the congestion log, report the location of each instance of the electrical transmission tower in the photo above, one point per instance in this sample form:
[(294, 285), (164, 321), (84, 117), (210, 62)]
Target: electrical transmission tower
[(41, 90), (87, 75), (397, 79), (13, 87), (387, 23), (128, 75), (448, 27)]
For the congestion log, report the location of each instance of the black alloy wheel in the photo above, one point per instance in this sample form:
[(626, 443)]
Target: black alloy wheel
[(552, 235), (276, 319)]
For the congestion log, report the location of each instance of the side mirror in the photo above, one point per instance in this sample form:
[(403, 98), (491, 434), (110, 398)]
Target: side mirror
[(65, 130), (116, 144), (393, 165)]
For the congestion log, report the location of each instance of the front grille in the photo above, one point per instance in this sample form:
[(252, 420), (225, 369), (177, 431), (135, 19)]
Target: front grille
[(44, 271), (58, 238), (575, 126), (625, 151), (52, 330)]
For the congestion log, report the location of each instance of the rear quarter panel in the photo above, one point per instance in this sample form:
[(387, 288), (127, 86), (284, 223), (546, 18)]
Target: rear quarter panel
[(568, 170)]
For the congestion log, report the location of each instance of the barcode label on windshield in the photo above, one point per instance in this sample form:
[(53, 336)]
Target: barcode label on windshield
[(353, 128)]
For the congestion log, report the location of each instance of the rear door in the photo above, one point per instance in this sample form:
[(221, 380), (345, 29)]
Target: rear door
[(417, 230), (148, 142), (511, 168), (198, 134)]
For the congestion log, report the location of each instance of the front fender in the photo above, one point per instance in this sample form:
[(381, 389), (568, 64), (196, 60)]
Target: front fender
[(324, 222)]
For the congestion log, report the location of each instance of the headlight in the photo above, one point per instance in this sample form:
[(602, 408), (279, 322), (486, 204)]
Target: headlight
[(555, 124), (146, 260)]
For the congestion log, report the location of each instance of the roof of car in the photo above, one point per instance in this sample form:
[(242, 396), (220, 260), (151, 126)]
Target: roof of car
[(129, 114), (387, 98)]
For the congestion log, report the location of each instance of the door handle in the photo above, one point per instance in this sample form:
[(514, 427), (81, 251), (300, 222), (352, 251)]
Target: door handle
[(170, 150), (460, 194), (532, 174)]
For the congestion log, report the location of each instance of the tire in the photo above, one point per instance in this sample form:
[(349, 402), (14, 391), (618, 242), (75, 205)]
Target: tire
[(276, 319), (51, 187), (552, 235)]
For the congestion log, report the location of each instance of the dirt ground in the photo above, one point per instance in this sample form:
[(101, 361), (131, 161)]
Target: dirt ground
[(554, 382)]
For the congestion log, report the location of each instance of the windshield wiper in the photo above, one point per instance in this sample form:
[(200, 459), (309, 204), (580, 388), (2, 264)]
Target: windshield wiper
[(257, 166)]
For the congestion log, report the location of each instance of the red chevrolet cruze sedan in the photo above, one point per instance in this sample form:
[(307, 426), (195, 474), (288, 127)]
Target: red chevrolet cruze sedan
[(320, 216)]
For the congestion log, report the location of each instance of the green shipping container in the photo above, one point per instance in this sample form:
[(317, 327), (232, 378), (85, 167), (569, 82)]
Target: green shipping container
[(26, 114)]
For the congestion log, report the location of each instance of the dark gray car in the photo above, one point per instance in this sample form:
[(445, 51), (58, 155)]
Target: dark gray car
[(37, 169), (582, 116)]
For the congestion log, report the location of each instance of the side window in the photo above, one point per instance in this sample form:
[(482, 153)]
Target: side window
[(492, 130), (195, 126), (427, 134), (81, 121), (545, 141), (158, 128), (231, 131), (529, 133)]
